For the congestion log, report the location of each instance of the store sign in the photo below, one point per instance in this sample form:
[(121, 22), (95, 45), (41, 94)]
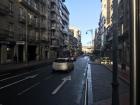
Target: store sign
[(20, 42)]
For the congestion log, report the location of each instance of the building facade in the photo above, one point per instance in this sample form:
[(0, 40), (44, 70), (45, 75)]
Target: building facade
[(77, 35), (123, 32), (105, 23), (31, 30)]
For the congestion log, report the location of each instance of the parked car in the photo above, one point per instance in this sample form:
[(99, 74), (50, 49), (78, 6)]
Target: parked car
[(63, 64), (106, 60)]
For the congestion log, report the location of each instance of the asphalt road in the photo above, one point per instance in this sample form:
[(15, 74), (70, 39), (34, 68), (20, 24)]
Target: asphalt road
[(43, 87)]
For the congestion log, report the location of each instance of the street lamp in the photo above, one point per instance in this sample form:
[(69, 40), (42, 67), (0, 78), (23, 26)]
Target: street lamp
[(91, 31)]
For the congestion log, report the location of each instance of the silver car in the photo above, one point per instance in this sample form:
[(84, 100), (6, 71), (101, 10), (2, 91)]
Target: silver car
[(62, 64)]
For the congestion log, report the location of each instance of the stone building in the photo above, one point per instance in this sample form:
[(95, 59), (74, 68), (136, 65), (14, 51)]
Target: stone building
[(31, 29)]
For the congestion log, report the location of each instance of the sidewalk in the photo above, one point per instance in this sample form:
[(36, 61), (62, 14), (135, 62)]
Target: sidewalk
[(124, 100), (123, 74), (19, 66)]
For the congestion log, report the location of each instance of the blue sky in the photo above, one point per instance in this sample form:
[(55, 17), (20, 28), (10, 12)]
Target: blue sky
[(85, 15)]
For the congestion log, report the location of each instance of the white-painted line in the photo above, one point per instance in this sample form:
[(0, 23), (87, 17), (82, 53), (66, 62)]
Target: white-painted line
[(90, 91), (86, 92), (24, 91), (13, 76), (49, 77), (29, 77), (5, 74), (13, 83), (60, 86)]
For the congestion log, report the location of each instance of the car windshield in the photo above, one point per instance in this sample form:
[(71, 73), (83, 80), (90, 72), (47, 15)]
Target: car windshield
[(61, 60)]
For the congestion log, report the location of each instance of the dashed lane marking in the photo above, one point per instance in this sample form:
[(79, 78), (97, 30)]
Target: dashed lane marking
[(28, 77), (24, 91)]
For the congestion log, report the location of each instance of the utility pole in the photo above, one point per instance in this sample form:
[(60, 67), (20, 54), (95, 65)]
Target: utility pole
[(91, 31), (115, 84), (135, 52)]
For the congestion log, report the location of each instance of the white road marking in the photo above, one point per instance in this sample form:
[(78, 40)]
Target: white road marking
[(13, 76), (28, 77), (28, 88), (4, 75), (90, 91), (48, 77), (60, 86)]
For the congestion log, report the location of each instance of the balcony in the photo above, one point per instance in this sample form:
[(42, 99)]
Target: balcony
[(54, 18), (54, 1), (32, 37), (53, 27), (54, 45), (30, 5), (43, 26), (37, 25), (22, 19), (54, 9), (4, 10), (6, 35), (43, 14), (53, 37), (3, 34), (31, 22), (43, 2)]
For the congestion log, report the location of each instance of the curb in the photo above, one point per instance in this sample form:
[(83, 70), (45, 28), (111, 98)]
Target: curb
[(122, 78)]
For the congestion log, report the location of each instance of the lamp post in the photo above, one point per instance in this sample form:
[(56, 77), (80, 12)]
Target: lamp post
[(91, 31)]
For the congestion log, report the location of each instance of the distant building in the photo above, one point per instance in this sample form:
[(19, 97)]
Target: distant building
[(105, 23), (77, 35), (87, 49)]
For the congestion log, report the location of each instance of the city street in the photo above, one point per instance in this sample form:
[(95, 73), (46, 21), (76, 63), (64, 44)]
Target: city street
[(44, 87)]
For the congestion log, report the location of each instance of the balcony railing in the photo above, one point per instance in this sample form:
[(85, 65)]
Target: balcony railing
[(30, 5), (54, 9), (4, 10), (22, 19), (53, 18), (31, 22), (3, 34), (43, 26), (37, 25), (54, 1), (54, 45), (32, 37), (6, 34)]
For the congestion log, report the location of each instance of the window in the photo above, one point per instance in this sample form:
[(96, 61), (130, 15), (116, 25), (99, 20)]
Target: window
[(11, 7)]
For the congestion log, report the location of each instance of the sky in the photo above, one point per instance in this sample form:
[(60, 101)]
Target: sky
[(84, 14)]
